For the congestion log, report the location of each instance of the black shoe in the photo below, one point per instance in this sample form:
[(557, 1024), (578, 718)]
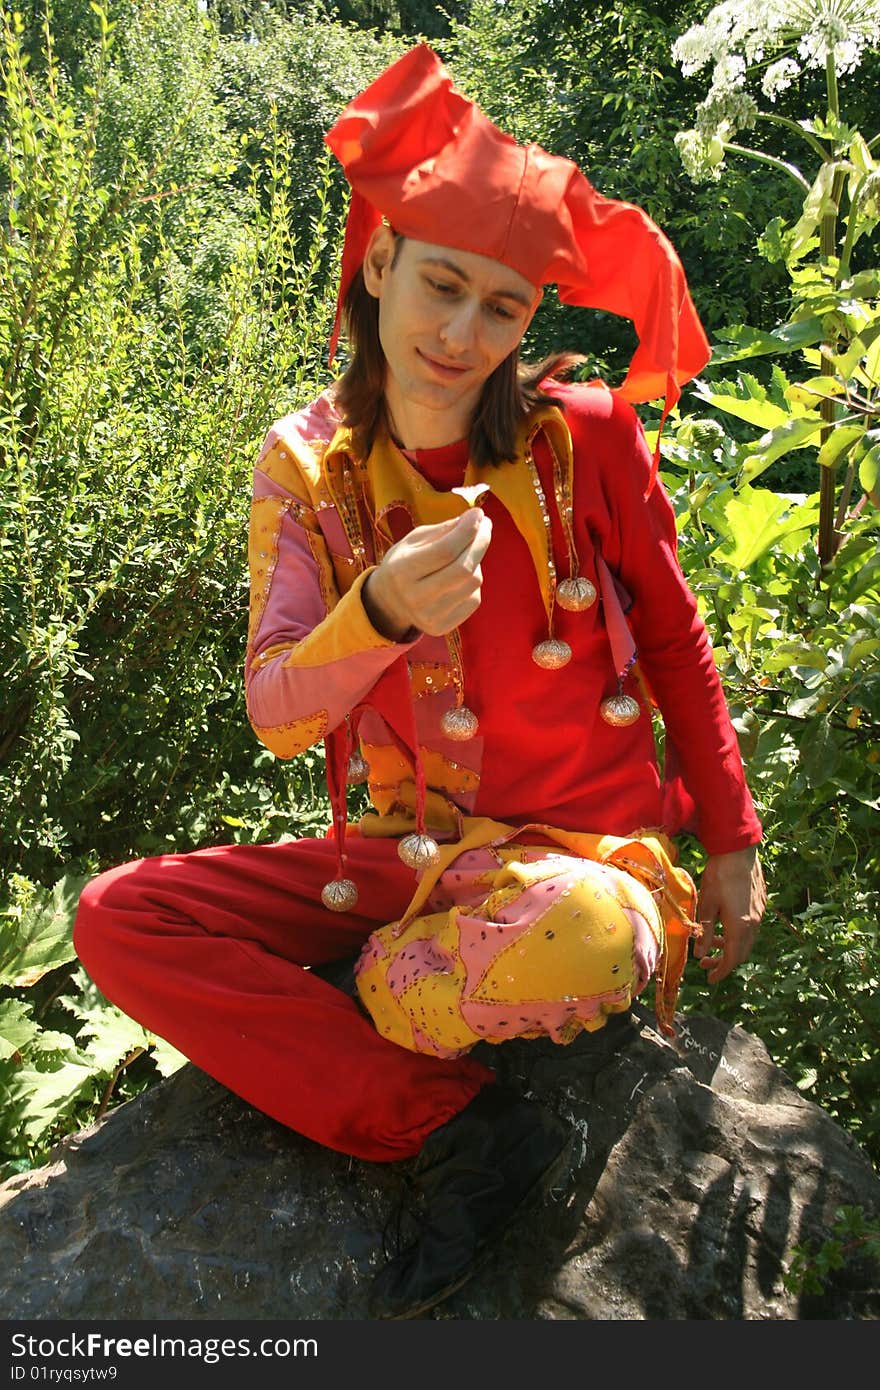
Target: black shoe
[(475, 1174)]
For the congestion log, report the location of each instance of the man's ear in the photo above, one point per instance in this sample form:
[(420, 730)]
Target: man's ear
[(378, 258)]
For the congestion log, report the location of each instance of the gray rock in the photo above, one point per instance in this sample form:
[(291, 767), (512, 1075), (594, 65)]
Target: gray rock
[(697, 1167)]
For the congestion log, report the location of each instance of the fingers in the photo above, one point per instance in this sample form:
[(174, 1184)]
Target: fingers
[(708, 911), (431, 549), (431, 579), (724, 948), (731, 904)]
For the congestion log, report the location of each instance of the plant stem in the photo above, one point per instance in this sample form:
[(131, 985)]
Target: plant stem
[(845, 495), (108, 1089), (828, 538), (762, 158), (797, 129), (843, 270)]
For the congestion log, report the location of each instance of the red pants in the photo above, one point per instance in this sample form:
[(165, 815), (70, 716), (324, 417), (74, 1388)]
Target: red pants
[(207, 949)]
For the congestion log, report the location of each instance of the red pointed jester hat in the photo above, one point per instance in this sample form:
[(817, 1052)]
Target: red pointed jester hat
[(421, 155)]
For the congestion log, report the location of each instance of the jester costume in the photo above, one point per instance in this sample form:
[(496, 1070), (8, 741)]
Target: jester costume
[(516, 876)]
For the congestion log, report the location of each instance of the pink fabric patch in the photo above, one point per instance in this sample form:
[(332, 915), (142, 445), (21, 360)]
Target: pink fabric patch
[(417, 961), (554, 1018), (317, 422), (646, 952), (422, 1043)]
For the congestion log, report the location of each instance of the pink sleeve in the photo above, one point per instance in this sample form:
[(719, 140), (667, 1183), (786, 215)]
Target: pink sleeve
[(312, 654), (675, 653)]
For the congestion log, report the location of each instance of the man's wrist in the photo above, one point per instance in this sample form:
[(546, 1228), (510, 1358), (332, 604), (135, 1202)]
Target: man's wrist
[(384, 623)]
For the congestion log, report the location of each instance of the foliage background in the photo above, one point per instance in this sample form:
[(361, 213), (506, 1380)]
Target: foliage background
[(168, 251)]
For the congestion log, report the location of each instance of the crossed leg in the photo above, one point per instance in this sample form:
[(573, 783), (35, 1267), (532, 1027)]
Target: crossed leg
[(207, 950)]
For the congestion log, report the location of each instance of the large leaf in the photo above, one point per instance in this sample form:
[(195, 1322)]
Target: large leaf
[(763, 414), (872, 357), (41, 938), (38, 1099), (754, 519), (740, 342), (817, 204), (869, 464), (794, 434), (858, 647), (813, 390), (112, 1035), (819, 754), (866, 344), (858, 793), (789, 655)]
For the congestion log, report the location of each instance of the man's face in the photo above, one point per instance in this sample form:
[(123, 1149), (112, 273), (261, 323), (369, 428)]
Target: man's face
[(447, 319)]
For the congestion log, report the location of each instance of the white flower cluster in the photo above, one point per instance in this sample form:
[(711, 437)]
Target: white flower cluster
[(732, 110), (779, 76), (703, 159), (739, 33)]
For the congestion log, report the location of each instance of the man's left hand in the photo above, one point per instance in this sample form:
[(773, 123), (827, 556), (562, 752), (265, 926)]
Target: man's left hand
[(734, 895)]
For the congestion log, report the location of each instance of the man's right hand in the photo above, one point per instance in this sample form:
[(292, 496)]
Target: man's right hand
[(430, 579)]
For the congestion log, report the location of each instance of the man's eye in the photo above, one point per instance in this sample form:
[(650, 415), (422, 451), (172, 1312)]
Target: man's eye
[(442, 286), (501, 312)]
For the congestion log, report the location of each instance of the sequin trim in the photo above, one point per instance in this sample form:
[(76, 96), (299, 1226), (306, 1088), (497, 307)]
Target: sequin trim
[(312, 726), (263, 547)]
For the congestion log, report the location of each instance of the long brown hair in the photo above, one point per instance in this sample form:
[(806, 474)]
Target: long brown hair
[(510, 393)]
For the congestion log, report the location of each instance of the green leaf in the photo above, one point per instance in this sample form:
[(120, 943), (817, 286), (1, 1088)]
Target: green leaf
[(739, 341), (819, 754), (167, 1058), (866, 344), (839, 443), (869, 466), (814, 389), (803, 705), (794, 434), (817, 204), (111, 1035), (58, 1044), (789, 654), (754, 519), (857, 793), (872, 356), (865, 284), (41, 937), (17, 1027), (858, 647), (763, 414), (38, 1099)]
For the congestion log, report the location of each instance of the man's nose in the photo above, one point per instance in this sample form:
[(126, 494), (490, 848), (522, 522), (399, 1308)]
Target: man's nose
[(460, 326)]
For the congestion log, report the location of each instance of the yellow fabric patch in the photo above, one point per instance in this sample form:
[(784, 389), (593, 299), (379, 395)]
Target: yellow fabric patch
[(392, 780), (267, 514), (286, 740), (350, 633), (289, 468), (429, 677)]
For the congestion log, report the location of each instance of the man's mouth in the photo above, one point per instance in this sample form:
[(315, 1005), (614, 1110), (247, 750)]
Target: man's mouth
[(448, 369)]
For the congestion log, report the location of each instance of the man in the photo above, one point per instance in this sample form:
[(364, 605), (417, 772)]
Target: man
[(489, 669)]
